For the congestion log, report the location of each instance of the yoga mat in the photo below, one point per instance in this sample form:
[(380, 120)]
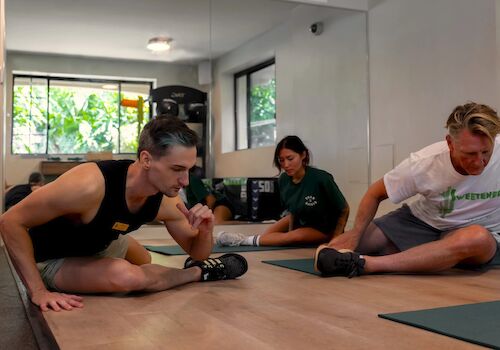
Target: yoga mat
[(307, 265), (303, 265), (474, 323), (495, 261), (177, 250)]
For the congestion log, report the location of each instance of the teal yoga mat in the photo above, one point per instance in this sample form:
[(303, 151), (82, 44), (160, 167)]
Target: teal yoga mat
[(495, 261), (177, 250), (307, 265), (303, 265), (474, 323)]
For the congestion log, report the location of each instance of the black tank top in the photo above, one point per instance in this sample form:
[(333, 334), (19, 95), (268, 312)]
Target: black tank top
[(64, 237)]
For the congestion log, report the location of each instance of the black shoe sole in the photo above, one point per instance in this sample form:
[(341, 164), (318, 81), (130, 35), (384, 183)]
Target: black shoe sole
[(320, 248), (239, 258)]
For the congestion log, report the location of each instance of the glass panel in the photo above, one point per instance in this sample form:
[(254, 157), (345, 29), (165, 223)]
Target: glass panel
[(109, 55), (321, 85), (83, 117), (263, 107), (29, 125), (133, 115)]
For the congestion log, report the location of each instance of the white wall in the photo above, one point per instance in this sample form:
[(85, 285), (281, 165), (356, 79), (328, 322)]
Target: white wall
[(361, 5), (426, 57), (18, 168), (322, 96)]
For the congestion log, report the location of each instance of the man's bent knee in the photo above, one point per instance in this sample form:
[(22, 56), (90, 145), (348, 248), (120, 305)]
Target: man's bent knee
[(476, 242), (473, 236), (125, 277)]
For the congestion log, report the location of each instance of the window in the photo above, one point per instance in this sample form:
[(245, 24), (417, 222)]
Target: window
[(255, 106), (56, 115)]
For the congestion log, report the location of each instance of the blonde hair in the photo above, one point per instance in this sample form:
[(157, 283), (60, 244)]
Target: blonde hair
[(475, 117)]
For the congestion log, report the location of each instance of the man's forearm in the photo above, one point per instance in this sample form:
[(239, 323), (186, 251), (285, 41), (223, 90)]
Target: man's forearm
[(20, 249), (366, 212), (341, 222), (201, 246)]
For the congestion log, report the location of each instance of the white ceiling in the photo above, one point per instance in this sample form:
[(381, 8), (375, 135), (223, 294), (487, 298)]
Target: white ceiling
[(121, 28)]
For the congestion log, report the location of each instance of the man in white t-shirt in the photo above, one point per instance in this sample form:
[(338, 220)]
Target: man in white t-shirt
[(454, 221)]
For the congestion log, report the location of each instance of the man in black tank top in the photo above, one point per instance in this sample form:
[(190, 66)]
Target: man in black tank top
[(67, 236)]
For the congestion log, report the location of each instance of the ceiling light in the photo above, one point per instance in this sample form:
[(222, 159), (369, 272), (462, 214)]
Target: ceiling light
[(109, 86), (159, 43)]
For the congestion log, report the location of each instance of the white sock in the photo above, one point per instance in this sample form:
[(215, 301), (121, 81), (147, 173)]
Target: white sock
[(251, 240)]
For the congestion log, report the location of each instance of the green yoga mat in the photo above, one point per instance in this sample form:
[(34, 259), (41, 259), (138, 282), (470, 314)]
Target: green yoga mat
[(474, 323), (177, 250), (495, 261), (304, 265), (307, 265)]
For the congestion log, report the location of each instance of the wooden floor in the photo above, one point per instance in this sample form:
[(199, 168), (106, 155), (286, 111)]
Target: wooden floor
[(16, 333), (271, 308)]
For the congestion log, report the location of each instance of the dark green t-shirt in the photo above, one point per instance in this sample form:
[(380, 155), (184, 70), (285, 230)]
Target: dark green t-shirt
[(314, 202), (196, 191)]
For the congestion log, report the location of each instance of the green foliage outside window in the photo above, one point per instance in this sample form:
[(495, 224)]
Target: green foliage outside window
[(263, 114), (79, 121), (263, 101)]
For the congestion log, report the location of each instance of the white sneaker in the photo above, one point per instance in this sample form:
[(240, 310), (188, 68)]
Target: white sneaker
[(228, 239)]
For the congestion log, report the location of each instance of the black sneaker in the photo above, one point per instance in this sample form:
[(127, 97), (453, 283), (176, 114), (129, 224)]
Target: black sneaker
[(332, 262), (225, 267)]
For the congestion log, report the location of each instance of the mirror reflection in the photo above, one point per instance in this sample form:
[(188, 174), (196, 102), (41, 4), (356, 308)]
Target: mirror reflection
[(269, 68), (301, 70), (80, 76)]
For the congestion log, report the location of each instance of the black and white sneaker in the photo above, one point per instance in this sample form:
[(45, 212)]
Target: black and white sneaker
[(332, 262), (225, 267)]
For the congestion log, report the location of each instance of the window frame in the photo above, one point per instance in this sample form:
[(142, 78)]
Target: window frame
[(74, 78), (246, 73)]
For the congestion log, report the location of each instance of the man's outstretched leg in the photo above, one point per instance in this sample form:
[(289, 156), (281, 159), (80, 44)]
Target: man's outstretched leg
[(473, 245), (108, 275)]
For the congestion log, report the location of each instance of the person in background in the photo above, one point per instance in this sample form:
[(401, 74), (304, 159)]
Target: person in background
[(17, 193), (198, 192), (316, 209)]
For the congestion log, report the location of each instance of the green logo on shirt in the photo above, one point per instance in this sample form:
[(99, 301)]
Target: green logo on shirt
[(450, 197), (448, 202)]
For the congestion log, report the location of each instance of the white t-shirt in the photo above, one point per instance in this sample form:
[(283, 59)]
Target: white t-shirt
[(447, 200)]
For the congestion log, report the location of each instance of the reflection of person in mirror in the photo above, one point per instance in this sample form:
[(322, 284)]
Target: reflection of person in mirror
[(17, 193), (454, 221), (70, 235), (198, 192), (315, 208)]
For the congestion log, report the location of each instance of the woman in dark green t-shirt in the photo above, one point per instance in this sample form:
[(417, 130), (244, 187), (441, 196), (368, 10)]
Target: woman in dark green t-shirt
[(315, 208)]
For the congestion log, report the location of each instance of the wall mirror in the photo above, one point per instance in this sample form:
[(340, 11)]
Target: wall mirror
[(289, 68), (312, 61), (76, 72)]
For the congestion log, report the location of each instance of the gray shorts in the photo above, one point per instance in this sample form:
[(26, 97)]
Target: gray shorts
[(406, 231), (48, 268)]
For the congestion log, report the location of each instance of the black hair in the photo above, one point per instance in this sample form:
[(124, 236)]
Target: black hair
[(36, 178), (293, 143), (162, 133)]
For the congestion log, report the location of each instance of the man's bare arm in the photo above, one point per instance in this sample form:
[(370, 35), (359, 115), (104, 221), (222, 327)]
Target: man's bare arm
[(342, 221), (191, 229), (366, 212), (76, 193)]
